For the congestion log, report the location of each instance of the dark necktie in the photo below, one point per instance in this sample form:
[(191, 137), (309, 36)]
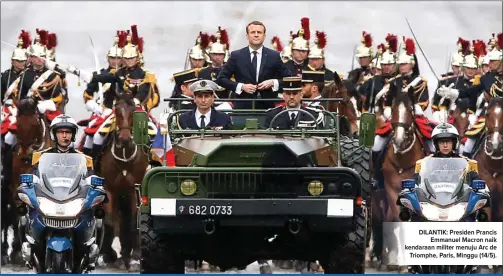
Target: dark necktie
[(254, 65), (202, 125), (292, 117)]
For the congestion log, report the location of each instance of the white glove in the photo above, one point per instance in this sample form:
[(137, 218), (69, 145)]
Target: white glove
[(453, 94), (418, 110), (387, 113), (46, 105), (381, 93), (93, 106), (472, 118), (136, 101), (49, 64)]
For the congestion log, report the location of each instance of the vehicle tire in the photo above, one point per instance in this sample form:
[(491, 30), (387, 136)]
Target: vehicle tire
[(358, 158), (348, 257), (58, 263), (155, 256)]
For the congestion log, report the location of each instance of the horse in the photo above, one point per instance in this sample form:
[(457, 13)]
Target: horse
[(337, 89), (32, 133), (490, 156), (123, 164), (460, 118), (401, 154)]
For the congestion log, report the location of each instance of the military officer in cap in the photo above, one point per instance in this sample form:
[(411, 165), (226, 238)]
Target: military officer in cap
[(18, 63), (204, 115), (292, 94), (316, 57), (183, 80), (217, 52), (300, 49), (313, 83)]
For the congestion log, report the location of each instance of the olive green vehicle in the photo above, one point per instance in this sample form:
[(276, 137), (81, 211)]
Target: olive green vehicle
[(241, 195)]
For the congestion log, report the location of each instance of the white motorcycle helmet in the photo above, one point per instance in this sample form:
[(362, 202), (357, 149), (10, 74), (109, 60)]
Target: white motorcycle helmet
[(445, 131), (63, 121)]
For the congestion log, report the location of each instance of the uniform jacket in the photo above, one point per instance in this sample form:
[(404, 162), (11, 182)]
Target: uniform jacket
[(420, 91), (491, 82), (460, 83), (218, 119), (50, 89), (284, 120), (93, 87), (8, 77), (36, 157)]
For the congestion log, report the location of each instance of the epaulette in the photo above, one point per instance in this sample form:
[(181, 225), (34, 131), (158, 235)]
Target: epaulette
[(476, 80), (36, 156), (423, 79), (198, 70), (113, 70), (418, 165), (473, 165)]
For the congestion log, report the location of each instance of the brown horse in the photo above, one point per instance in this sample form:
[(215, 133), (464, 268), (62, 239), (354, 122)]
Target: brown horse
[(32, 135), (490, 157), (460, 117), (404, 150), (345, 108), (123, 164)]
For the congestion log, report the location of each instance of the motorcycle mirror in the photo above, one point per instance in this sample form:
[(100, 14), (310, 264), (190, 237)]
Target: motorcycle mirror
[(408, 184), (478, 185)]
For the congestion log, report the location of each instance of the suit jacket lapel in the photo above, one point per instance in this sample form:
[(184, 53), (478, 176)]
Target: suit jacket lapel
[(248, 62), (192, 120), (262, 63)]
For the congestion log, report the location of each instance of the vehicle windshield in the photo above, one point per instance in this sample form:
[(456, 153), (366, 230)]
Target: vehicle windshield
[(61, 174), (441, 178)]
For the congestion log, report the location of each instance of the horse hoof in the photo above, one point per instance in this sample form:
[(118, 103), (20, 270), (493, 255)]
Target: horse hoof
[(287, 264), (299, 265), (266, 269), (403, 270), (205, 267)]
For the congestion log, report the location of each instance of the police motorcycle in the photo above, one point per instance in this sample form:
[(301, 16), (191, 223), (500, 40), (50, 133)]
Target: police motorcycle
[(443, 192), (61, 215)]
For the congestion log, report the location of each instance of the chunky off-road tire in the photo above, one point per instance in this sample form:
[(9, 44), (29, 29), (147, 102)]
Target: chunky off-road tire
[(358, 158), (155, 256), (348, 257)]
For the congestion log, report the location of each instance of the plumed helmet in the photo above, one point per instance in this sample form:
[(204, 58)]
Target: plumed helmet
[(220, 44), (301, 41), (445, 131), (24, 42), (408, 51), (365, 49), (63, 121), (318, 49)]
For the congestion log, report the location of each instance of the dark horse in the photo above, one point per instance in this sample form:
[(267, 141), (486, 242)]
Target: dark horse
[(460, 117), (402, 153), (32, 133), (123, 164)]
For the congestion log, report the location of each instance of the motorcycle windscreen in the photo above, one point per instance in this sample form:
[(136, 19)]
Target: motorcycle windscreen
[(62, 174), (443, 180)]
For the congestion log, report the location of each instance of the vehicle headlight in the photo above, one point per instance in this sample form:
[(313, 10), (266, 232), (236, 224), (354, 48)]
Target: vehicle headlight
[(53, 209), (188, 187), (435, 213), (315, 188)]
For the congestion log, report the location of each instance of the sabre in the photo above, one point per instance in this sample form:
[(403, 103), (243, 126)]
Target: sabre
[(98, 67), (421, 49), (371, 108), (353, 57)]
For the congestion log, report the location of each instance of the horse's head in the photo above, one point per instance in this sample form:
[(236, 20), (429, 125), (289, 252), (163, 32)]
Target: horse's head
[(494, 126), (402, 122), (460, 116), (124, 109), (29, 130), (345, 108)]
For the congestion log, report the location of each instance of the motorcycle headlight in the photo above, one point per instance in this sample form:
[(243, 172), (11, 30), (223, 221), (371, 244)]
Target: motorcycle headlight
[(53, 209), (435, 213)]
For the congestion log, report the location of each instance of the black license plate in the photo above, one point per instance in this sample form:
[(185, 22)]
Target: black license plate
[(195, 208)]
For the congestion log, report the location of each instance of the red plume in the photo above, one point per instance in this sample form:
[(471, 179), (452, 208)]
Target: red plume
[(465, 47), (367, 39), (500, 41), (134, 37), (460, 41), (43, 36), (276, 40), (410, 47), (224, 38), (479, 48), (304, 23), (52, 41), (381, 47), (322, 39), (140, 44), (205, 40), (122, 38), (25, 36), (393, 42)]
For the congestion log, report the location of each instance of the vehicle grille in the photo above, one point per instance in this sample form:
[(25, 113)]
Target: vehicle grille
[(60, 223)]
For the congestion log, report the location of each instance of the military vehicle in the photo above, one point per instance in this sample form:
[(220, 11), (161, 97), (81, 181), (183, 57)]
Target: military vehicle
[(240, 195)]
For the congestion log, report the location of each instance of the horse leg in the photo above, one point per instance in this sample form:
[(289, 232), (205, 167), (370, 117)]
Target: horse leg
[(126, 227), (265, 268), (379, 206), (16, 256), (109, 255)]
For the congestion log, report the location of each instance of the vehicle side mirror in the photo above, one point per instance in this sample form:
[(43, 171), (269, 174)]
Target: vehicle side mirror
[(29, 179), (140, 128), (367, 129)]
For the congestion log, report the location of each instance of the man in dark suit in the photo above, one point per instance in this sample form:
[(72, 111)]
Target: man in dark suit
[(258, 70), (204, 115), (292, 94)]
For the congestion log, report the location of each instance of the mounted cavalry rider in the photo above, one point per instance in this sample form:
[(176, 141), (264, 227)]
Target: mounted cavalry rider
[(491, 84), (316, 57), (364, 54), (446, 140), (372, 87), (217, 52), (102, 111), (197, 54), (300, 49), (465, 79), (131, 78)]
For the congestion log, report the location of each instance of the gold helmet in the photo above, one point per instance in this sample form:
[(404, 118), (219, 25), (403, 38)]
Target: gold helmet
[(23, 43), (198, 51), (134, 46), (389, 56), (119, 42), (301, 41), (38, 48), (318, 49), (220, 42), (365, 49), (408, 51)]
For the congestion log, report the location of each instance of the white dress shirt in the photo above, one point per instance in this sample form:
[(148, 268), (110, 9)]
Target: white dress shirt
[(207, 118), (275, 86)]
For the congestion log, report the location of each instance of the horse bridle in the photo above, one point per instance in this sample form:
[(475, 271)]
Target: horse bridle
[(408, 128)]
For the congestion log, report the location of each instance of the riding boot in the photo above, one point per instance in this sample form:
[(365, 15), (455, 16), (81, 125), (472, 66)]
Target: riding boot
[(96, 153)]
